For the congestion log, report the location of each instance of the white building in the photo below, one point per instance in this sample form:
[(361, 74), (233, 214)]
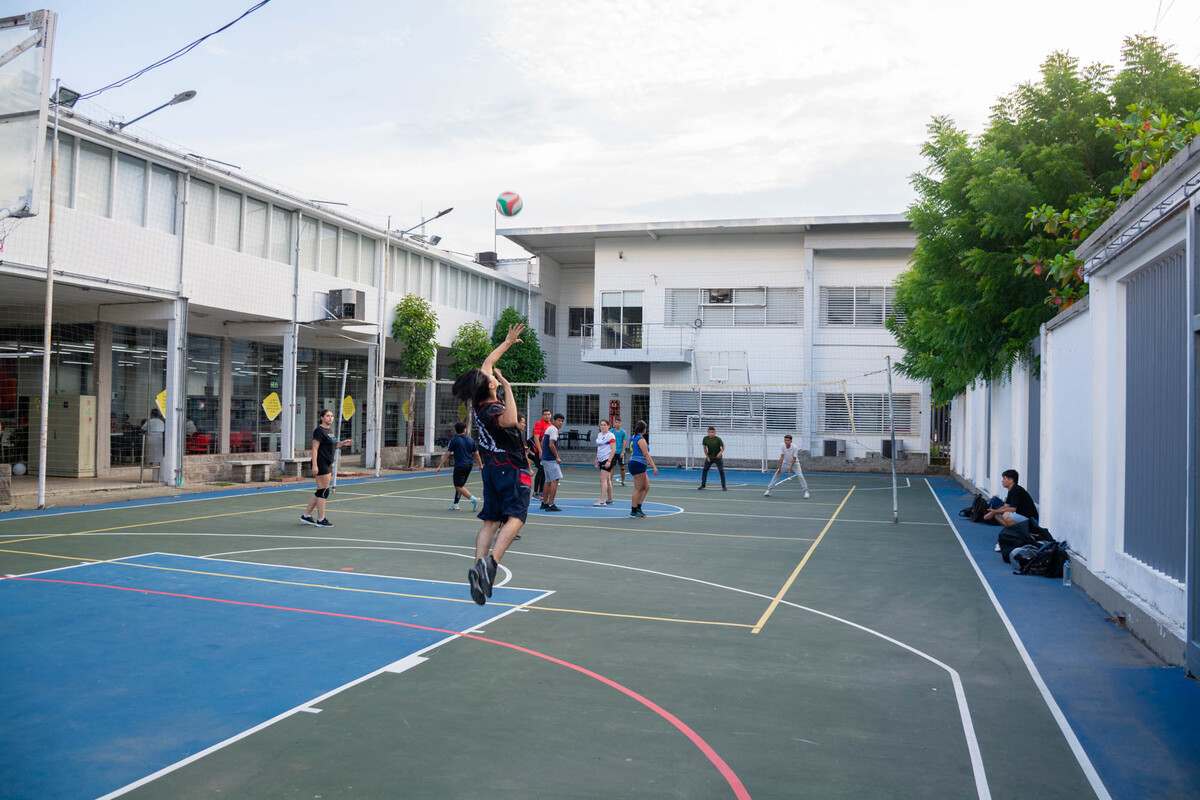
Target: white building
[(793, 307)]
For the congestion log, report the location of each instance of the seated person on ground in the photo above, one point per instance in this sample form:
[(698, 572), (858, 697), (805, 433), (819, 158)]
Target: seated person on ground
[(1017, 507)]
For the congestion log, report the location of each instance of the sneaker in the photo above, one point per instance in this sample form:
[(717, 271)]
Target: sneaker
[(476, 587), (767, 493), (640, 514), (307, 520), (622, 481), (492, 567), (474, 503), (553, 507), (700, 488), (324, 523), (633, 513), (996, 549), (599, 504), (608, 502), (807, 495), (723, 489), (453, 507), (543, 507)]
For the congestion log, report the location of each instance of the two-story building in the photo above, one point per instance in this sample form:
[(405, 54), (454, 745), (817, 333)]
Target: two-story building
[(759, 327)]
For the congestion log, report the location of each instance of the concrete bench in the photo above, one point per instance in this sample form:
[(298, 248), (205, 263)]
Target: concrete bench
[(250, 470), (296, 467)]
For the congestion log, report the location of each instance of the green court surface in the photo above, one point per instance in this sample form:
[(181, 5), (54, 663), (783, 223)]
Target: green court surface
[(734, 646)]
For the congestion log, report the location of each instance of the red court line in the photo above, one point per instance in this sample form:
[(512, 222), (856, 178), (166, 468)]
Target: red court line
[(735, 783)]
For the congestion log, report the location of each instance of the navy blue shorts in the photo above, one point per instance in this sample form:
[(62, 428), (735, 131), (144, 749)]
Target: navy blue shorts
[(460, 475), (506, 492), (637, 467)]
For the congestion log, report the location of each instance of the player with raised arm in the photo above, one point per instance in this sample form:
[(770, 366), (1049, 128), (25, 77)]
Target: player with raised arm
[(789, 465), (506, 479)]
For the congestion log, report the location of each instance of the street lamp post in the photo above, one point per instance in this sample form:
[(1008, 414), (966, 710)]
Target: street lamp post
[(182, 97)]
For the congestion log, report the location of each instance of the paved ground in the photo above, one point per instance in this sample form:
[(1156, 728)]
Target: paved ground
[(622, 662)]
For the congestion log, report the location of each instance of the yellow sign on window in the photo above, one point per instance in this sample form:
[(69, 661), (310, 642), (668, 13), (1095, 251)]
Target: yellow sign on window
[(272, 406), (348, 408), (160, 400)]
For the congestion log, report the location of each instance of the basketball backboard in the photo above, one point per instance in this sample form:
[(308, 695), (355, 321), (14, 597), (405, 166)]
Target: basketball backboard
[(26, 48)]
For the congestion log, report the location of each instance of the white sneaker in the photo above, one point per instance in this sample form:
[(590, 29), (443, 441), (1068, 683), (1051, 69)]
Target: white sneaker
[(996, 549), (806, 495), (767, 493), (453, 507), (474, 503), (598, 504)]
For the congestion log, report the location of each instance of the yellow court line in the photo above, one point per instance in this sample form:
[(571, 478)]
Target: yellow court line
[(758, 626), (375, 591), (609, 528), (32, 538)]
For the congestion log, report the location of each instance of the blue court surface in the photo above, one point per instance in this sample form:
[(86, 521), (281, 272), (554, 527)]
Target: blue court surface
[(126, 667)]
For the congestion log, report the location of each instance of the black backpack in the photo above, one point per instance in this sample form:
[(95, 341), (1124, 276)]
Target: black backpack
[(1044, 559), (1010, 539), (975, 512)]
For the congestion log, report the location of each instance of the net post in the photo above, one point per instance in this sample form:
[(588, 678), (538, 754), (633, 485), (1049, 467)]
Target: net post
[(48, 318), (341, 415), (892, 426)]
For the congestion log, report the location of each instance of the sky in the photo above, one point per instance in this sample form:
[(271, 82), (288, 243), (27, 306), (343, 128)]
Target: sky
[(594, 112)]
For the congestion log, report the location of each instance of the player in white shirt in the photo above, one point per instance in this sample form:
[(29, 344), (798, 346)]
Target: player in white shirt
[(606, 453), (789, 467)]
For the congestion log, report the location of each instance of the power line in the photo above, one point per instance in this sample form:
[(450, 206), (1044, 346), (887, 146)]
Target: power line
[(187, 48)]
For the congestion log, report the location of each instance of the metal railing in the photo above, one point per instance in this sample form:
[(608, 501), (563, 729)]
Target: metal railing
[(637, 336)]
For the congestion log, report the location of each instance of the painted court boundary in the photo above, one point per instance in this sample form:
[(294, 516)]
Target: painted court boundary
[(1081, 756), (726, 772)]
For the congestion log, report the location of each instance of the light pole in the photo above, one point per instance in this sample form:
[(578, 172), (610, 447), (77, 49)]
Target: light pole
[(182, 97), (439, 215)]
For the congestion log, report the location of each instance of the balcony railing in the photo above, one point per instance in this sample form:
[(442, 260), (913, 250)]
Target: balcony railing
[(636, 342)]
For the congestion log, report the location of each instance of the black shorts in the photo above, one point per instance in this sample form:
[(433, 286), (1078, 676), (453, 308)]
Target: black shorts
[(637, 467), (618, 460), (603, 467), (460, 476), (324, 467), (506, 492)]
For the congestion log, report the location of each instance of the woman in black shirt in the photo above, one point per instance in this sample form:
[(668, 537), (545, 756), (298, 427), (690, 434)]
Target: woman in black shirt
[(324, 445)]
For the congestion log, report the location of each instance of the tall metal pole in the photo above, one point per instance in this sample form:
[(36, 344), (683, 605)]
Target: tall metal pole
[(337, 451), (48, 318), (381, 345), (892, 420)]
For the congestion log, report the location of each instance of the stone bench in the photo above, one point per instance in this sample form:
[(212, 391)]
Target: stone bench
[(296, 467), (251, 469)]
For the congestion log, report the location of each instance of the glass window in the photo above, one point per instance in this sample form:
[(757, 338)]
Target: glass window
[(255, 243), (160, 214), (443, 281), (95, 178), (308, 243), (281, 235), (201, 211), (427, 278), (229, 219), (66, 169), (139, 373), (131, 189), (366, 261), (550, 319), (583, 409), (348, 259), (202, 426), (257, 371), (720, 296), (329, 248), (579, 321)]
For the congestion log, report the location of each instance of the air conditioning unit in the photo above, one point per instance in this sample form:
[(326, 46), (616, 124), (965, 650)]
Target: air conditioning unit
[(886, 448), (835, 448), (487, 259), (348, 304)]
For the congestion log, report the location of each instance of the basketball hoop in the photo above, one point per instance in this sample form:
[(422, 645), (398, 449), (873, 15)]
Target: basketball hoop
[(7, 226)]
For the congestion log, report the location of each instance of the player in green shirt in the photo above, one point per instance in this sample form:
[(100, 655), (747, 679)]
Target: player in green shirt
[(714, 455)]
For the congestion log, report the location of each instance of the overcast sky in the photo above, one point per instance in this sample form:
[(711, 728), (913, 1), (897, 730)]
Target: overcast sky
[(594, 112)]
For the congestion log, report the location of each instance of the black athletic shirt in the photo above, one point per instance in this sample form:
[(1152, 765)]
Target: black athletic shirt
[(1020, 499), (325, 444), (498, 444)]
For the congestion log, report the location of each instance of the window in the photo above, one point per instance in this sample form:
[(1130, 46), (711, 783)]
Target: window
[(281, 235), (309, 243), (329, 249), (620, 320), (229, 219), (892, 309), (583, 409), (366, 261), (131, 190), (255, 243), (443, 282), (348, 258), (201, 213), (723, 308), (870, 413), (579, 321), (548, 402), (777, 412), (856, 306), (639, 407), (160, 214), (95, 179), (550, 319), (203, 395)]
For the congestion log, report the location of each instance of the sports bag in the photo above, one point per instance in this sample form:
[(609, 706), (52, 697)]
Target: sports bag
[(1044, 559), (975, 512), (1010, 539)]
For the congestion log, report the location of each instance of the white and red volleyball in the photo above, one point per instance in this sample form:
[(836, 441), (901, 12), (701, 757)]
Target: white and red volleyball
[(509, 204)]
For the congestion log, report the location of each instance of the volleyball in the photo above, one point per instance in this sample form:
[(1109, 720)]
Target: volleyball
[(509, 204)]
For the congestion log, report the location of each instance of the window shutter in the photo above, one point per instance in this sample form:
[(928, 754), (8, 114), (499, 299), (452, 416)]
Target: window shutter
[(785, 306), (682, 307), (837, 306)]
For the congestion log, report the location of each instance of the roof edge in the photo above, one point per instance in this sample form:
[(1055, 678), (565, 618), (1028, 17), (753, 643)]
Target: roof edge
[(748, 223)]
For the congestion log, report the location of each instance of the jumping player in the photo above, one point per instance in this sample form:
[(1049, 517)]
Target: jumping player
[(789, 463), (463, 448), (637, 468), (506, 478), (323, 446)]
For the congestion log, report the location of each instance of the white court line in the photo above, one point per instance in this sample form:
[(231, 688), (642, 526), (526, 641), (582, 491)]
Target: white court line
[(310, 710), (297, 709), (1085, 763), (507, 572), (749, 516), (981, 785), (405, 664), (83, 563)]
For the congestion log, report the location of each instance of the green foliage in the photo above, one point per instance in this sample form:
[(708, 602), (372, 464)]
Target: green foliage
[(998, 218), (470, 347), (524, 362), (415, 327)]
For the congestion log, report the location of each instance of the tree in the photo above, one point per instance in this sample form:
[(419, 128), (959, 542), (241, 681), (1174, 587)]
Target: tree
[(470, 347), (524, 362), (415, 328), (998, 217)]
